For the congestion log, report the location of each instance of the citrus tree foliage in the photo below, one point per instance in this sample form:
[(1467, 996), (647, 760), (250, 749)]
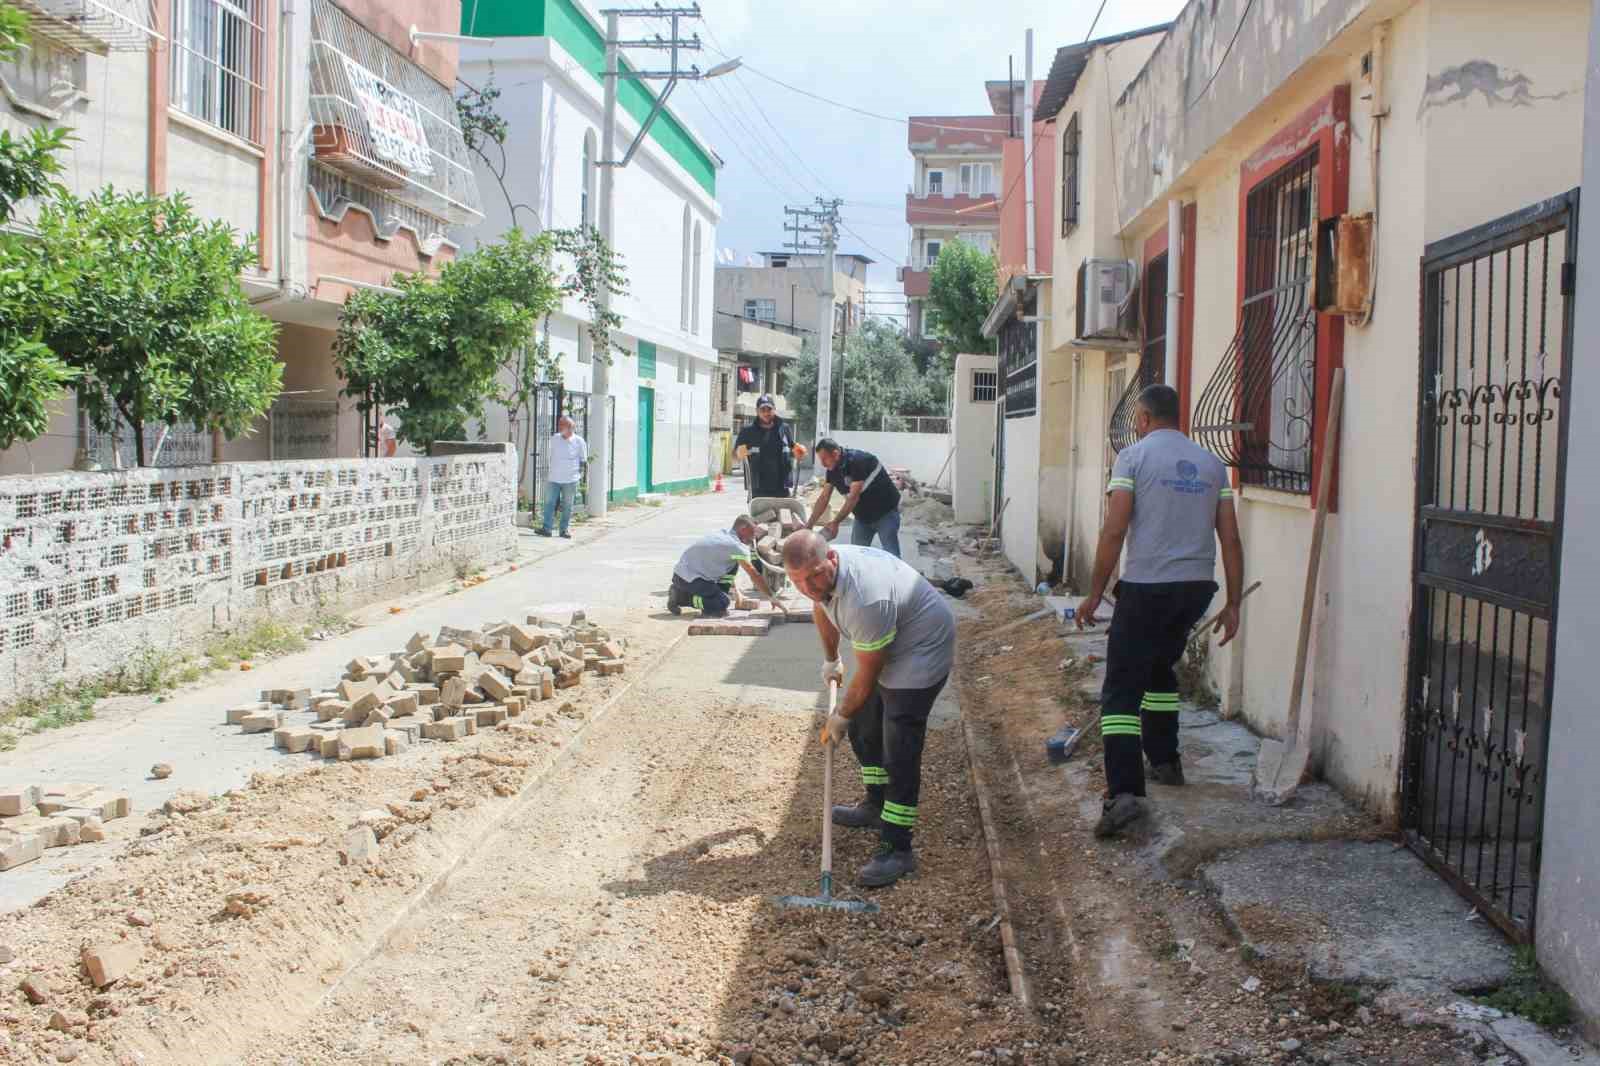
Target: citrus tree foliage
[(961, 291), (151, 315), (878, 375), (436, 350), (31, 375)]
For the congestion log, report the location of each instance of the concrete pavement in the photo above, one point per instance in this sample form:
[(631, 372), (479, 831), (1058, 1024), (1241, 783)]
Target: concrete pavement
[(618, 573)]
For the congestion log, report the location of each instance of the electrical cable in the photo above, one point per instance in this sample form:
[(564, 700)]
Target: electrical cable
[(1248, 4), (1096, 22)]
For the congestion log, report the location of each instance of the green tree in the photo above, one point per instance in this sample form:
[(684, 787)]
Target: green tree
[(878, 375), (31, 375), (154, 319), (961, 292), (440, 348)]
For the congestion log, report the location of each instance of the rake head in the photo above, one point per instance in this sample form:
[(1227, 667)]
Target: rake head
[(826, 902)]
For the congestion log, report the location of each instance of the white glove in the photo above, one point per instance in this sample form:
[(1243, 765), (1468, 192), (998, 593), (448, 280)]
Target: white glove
[(837, 729), (832, 670)]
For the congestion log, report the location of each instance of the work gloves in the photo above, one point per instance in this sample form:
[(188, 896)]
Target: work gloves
[(832, 673), (837, 729)]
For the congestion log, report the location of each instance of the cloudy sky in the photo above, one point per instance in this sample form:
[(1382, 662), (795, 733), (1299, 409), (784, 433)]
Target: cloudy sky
[(893, 57)]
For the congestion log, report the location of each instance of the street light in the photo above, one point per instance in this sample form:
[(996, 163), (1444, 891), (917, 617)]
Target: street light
[(430, 35), (725, 67)]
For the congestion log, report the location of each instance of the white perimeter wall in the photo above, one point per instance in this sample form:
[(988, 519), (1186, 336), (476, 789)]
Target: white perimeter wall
[(1019, 525), (972, 424), (924, 454)]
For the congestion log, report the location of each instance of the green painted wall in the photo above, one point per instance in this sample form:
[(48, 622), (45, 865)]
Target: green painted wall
[(647, 361), (562, 20)]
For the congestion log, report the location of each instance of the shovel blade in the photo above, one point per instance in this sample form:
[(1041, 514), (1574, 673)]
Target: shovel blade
[(1280, 767)]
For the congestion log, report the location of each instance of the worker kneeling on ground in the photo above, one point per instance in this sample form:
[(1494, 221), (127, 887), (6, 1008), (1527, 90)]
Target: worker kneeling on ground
[(704, 576), (904, 638), (1170, 500)]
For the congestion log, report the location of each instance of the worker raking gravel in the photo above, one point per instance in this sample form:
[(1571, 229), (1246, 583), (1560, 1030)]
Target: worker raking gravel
[(904, 638)]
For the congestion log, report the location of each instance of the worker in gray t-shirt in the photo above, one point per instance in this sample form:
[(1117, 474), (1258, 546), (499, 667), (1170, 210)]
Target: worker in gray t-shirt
[(904, 638), (1170, 502)]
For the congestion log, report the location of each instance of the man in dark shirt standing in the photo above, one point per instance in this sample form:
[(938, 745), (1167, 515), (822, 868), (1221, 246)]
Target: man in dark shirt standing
[(869, 492), (769, 444)]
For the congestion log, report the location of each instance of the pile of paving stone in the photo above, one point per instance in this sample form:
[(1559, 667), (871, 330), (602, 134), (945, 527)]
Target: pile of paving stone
[(438, 687), (36, 817)]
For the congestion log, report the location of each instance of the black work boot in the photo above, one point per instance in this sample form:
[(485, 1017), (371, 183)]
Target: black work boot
[(1168, 773), (1119, 813), (889, 865), (672, 600), (868, 814)]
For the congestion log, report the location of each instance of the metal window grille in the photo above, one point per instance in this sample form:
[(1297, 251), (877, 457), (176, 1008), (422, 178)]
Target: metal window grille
[(217, 63), (1152, 357), (1257, 411), (1019, 357), (184, 444), (304, 429), (99, 26), (985, 385), (1069, 177), (385, 121), (334, 190)]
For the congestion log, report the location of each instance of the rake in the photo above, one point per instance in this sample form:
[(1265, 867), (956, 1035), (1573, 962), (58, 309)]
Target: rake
[(826, 901)]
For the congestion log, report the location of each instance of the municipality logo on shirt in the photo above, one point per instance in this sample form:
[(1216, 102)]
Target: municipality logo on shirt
[(1188, 482)]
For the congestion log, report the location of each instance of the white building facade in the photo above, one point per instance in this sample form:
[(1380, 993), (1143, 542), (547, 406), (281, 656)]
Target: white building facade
[(547, 59)]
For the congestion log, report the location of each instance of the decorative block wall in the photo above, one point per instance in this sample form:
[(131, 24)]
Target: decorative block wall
[(94, 567)]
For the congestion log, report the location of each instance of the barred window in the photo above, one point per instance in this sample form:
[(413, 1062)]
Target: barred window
[(1069, 177), (1019, 359), (985, 385), (217, 63)]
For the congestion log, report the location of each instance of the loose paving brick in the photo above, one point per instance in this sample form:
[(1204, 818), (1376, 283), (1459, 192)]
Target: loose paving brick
[(18, 848), (494, 685), (108, 963), (490, 716), (395, 741), (261, 722), (294, 740), (729, 627), (363, 743), (453, 728), (332, 709), (18, 799), (236, 715), (53, 831), (360, 847)]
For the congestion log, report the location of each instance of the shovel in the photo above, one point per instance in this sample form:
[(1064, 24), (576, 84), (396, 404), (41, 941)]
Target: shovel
[(825, 901), (1282, 763)]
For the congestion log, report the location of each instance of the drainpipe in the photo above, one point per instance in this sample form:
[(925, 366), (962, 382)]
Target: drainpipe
[(1072, 455), (1027, 147), (1174, 288)]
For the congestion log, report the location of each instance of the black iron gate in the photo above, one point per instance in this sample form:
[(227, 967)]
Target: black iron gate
[(552, 399), (1496, 359)]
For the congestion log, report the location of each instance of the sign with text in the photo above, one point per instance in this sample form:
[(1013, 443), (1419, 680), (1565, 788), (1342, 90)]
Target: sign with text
[(394, 121)]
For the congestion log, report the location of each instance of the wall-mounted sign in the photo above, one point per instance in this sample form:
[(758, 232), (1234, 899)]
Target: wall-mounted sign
[(394, 121)]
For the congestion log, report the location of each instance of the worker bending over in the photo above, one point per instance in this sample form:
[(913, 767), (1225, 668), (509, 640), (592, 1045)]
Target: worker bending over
[(704, 576), (904, 638), (869, 494), (1170, 501)]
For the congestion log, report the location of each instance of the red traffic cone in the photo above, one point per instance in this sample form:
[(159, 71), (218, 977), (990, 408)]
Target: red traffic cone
[(718, 486)]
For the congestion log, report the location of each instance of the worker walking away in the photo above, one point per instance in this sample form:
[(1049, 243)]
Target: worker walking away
[(768, 443), (1170, 501), (704, 576), (870, 496), (904, 638)]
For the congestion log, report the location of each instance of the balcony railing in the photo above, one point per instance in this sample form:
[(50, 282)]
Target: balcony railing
[(98, 26), (957, 210)]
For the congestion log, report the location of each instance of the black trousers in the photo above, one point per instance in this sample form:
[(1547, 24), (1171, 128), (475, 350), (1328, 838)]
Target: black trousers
[(887, 736), (1139, 700), (710, 598)]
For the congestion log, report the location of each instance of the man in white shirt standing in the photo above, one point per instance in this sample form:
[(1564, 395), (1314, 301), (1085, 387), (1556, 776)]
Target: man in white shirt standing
[(568, 453)]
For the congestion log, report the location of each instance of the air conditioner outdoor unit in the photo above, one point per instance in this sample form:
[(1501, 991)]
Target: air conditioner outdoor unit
[(1106, 310)]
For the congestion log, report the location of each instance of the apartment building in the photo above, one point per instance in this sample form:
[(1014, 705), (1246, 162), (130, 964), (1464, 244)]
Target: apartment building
[(954, 192), (322, 130), (765, 313), (548, 59)]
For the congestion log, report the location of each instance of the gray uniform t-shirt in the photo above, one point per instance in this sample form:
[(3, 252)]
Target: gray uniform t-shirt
[(712, 556), (1176, 485), (880, 602)]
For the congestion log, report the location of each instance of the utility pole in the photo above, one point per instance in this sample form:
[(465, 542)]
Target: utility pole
[(823, 221), (600, 457)]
